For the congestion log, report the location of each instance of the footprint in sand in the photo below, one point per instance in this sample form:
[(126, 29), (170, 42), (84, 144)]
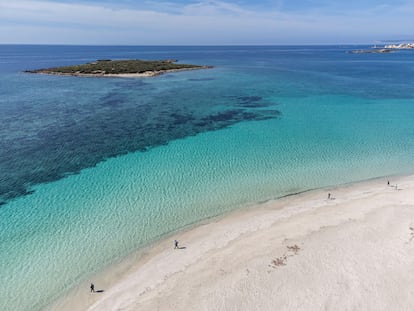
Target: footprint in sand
[(282, 261)]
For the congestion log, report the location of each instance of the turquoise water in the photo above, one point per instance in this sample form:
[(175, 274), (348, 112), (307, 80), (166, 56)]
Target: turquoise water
[(92, 169)]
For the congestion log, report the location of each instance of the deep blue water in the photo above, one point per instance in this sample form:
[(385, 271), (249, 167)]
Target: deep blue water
[(102, 166)]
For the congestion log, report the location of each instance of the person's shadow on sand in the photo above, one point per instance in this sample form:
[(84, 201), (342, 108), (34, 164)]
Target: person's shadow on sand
[(176, 246), (100, 291)]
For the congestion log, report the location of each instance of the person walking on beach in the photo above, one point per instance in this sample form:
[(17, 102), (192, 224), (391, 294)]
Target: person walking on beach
[(388, 182), (92, 288), (175, 244), (329, 196)]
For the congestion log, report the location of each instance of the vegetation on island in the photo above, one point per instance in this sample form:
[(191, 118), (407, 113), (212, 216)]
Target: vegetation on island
[(119, 67)]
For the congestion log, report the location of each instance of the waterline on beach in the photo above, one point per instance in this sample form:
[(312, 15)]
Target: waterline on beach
[(244, 244)]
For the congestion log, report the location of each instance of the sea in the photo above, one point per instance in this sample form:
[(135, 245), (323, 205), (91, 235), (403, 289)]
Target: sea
[(93, 169)]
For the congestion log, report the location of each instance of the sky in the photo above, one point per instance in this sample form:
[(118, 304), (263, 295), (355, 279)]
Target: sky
[(205, 22)]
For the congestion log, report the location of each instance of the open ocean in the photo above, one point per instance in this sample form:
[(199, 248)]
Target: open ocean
[(92, 169)]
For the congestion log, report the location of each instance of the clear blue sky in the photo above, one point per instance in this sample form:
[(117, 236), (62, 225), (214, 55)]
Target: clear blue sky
[(204, 22)]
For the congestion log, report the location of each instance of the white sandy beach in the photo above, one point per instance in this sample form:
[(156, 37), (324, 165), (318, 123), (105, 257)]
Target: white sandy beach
[(303, 252)]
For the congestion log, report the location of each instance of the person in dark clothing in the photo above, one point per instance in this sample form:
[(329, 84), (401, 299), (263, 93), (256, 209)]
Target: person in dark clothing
[(175, 244), (92, 288)]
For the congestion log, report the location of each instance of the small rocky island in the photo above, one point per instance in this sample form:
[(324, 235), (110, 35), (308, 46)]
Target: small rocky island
[(119, 68), (386, 49)]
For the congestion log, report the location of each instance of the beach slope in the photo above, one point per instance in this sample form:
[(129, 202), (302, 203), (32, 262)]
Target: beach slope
[(354, 251)]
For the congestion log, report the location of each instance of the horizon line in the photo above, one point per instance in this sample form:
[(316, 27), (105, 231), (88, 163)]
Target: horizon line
[(189, 45)]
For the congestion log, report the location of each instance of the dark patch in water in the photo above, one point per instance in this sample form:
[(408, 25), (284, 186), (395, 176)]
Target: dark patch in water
[(250, 116), (71, 135), (252, 102), (253, 105), (201, 123), (132, 82), (201, 79), (222, 116), (113, 99), (181, 118), (250, 98)]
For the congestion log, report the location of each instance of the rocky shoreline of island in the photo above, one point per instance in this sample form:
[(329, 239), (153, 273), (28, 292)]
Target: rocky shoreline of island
[(119, 68), (371, 51)]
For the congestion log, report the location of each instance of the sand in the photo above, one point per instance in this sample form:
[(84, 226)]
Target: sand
[(354, 251)]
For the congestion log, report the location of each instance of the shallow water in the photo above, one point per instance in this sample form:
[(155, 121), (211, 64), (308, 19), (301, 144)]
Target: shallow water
[(92, 169)]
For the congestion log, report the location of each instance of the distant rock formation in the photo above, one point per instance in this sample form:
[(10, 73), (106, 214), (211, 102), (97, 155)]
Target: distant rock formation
[(371, 51)]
